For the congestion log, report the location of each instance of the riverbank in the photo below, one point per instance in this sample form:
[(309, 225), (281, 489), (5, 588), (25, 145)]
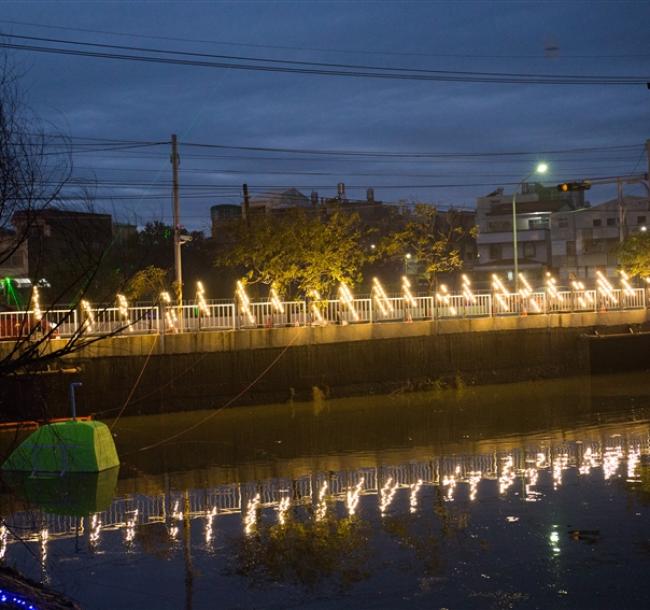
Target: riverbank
[(208, 370)]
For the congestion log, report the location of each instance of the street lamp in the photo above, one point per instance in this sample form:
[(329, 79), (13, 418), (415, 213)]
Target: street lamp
[(541, 168), (407, 258)]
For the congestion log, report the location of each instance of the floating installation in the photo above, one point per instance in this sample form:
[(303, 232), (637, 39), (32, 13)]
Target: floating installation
[(69, 446)]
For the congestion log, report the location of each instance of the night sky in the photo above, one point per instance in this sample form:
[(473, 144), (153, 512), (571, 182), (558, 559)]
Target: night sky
[(120, 100)]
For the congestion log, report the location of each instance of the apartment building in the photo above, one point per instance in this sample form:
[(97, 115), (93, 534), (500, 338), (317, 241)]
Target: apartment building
[(586, 240)]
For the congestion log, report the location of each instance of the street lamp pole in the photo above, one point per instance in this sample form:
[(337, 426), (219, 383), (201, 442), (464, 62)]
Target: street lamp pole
[(541, 168)]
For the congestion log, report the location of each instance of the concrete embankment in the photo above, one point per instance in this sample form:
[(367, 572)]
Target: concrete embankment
[(208, 369)]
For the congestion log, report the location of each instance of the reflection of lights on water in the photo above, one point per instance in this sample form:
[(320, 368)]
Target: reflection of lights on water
[(474, 478), (283, 509), (450, 483), (177, 515), (44, 536), (532, 475), (352, 497), (130, 525), (386, 494), (507, 478), (540, 460), (589, 461), (554, 539), (633, 456), (95, 529), (560, 464), (209, 522), (611, 461), (4, 534), (413, 498), (321, 507), (250, 519)]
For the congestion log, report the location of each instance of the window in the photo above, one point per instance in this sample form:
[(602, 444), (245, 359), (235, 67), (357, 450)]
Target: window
[(563, 223), (529, 250), (538, 223), (611, 222), (499, 225), (597, 222), (640, 220), (14, 260), (495, 251), (571, 248)]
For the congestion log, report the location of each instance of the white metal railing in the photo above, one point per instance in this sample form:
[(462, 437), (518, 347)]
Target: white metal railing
[(220, 315)]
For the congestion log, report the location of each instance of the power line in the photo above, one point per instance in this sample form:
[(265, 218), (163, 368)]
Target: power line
[(320, 49), (311, 64), (437, 76)]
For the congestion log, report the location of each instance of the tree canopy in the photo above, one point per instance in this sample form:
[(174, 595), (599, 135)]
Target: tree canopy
[(432, 237), (634, 254), (298, 251)]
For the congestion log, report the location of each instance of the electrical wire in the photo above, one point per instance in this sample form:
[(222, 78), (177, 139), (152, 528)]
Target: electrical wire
[(140, 35), (458, 77), (313, 64)]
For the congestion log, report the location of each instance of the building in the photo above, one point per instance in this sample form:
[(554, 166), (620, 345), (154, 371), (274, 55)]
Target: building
[(534, 205), (373, 213), (59, 239), (13, 255), (586, 240)]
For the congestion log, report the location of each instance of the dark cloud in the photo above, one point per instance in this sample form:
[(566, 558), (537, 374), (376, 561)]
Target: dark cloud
[(139, 101)]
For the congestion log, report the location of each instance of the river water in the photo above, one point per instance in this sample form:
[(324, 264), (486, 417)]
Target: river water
[(528, 495)]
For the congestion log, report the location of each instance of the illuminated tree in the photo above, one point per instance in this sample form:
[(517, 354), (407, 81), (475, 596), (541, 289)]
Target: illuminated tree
[(297, 251), (147, 283), (634, 255), (434, 238), (306, 552)]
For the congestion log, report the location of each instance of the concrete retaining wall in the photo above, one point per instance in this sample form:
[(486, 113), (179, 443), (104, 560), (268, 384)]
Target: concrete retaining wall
[(206, 370)]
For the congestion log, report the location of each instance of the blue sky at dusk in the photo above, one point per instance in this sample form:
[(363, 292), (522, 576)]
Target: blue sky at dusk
[(110, 99)]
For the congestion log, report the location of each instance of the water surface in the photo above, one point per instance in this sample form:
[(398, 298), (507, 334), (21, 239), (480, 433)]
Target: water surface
[(516, 496)]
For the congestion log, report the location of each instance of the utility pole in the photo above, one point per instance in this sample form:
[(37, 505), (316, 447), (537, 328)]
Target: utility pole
[(621, 210), (647, 176), (247, 205), (177, 230)]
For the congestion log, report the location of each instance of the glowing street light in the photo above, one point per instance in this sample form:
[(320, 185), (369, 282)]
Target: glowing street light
[(276, 303), (407, 295), (407, 258), (123, 309), (541, 168), (467, 290), (89, 318), (346, 297), (244, 302), (200, 299), (315, 307), (36, 304)]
